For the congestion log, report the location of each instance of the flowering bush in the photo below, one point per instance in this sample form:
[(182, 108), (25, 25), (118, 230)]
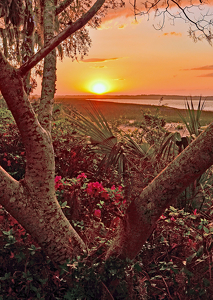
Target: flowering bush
[(92, 200)]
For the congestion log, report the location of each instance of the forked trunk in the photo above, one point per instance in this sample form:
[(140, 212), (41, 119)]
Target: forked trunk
[(143, 213)]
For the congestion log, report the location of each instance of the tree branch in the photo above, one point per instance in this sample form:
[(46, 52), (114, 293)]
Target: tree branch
[(60, 38), (49, 71), (143, 213), (8, 187), (36, 140), (62, 6)]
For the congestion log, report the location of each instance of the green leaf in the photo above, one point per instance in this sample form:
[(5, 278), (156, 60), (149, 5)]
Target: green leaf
[(137, 267), (206, 229), (206, 282), (200, 251), (187, 272)]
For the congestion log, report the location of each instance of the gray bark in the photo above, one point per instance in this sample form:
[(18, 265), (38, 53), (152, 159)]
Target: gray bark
[(144, 212)]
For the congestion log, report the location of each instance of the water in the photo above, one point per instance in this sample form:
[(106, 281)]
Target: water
[(175, 103)]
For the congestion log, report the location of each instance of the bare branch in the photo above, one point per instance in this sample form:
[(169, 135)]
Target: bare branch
[(203, 24), (61, 37), (62, 6)]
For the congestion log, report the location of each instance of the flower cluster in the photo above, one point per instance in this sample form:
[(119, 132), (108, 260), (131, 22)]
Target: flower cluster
[(58, 182), (95, 189), (82, 176), (92, 198)]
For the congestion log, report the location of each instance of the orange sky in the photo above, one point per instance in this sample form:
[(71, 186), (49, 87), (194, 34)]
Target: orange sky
[(134, 58)]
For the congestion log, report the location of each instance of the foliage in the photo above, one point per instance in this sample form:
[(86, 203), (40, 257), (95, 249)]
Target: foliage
[(193, 121), (175, 263), (12, 152)]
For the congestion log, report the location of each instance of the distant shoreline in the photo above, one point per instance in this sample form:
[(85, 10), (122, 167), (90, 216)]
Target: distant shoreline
[(123, 112), (157, 97)]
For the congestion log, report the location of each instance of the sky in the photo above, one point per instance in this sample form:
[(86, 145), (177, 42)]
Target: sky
[(129, 57)]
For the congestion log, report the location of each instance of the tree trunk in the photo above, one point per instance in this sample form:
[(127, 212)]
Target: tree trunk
[(144, 212), (49, 72), (32, 201)]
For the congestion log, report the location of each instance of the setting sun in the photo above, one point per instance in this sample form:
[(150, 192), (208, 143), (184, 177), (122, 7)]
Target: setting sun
[(99, 88)]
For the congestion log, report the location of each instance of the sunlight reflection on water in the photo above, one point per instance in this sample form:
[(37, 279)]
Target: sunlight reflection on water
[(176, 103)]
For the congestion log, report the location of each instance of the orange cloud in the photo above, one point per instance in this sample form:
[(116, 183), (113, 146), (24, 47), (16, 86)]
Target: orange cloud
[(119, 79), (98, 67), (122, 26), (209, 67), (202, 68), (173, 33), (97, 60), (206, 75)]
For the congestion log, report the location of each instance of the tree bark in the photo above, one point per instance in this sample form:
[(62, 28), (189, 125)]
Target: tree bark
[(70, 29), (144, 212), (49, 72), (32, 201)]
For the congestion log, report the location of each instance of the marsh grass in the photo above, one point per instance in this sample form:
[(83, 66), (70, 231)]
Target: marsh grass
[(122, 113)]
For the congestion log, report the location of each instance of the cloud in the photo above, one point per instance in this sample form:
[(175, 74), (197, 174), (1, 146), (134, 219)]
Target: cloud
[(119, 79), (122, 26), (97, 60), (172, 33), (203, 68), (206, 75), (98, 67)]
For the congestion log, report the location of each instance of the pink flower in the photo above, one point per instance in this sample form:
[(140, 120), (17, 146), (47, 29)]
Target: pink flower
[(105, 195), (57, 182), (9, 163), (118, 196), (195, 212), (97, 213), (94, 188), (116, 221), (192, 244), (81, 176), (172, 219), (113, 187), (57, 178)]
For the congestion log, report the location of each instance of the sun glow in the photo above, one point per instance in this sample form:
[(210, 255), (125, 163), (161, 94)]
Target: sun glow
[(99, 88)]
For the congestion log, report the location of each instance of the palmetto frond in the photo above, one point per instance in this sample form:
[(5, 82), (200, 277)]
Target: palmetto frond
[(192, 121), (101, 137)]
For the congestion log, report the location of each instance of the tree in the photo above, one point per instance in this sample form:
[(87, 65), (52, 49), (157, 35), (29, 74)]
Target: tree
[(32, 201)]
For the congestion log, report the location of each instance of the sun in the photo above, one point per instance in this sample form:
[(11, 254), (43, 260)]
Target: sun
[(99, 88)]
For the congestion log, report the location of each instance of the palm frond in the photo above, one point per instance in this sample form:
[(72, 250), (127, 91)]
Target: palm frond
[(192, 122), (168, 145), (101, 137)]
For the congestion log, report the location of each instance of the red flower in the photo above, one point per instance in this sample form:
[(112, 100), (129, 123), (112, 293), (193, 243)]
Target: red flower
[(94, 188), (57, 182), (105, 195), (9, 163), (195, 212), (81, 176), (97, 213), (57, 178)]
